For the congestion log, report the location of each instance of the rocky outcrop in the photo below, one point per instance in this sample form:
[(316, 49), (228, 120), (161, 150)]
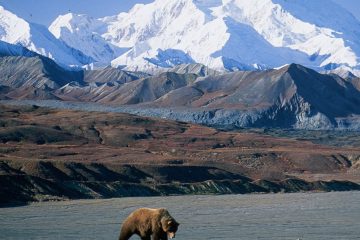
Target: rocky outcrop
[(195, 68)]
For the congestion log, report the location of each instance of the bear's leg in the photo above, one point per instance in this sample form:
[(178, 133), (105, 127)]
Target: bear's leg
[(125, 234), (159, 236), (155, 237)]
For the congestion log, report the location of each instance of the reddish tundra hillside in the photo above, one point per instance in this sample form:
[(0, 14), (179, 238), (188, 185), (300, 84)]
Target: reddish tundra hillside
[(48, 154)]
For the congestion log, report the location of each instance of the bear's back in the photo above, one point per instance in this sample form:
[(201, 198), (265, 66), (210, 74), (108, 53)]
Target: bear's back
[(150, 211)]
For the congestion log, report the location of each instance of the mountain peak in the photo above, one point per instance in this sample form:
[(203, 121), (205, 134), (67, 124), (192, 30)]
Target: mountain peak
[(70, 21), (298, 69), (294, 67), (37, 38), (12, 28), (85, 33)]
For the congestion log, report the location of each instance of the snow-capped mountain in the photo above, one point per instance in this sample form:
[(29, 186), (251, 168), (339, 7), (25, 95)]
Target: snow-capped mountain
[(83, 32), (221, 34), (37, 38)]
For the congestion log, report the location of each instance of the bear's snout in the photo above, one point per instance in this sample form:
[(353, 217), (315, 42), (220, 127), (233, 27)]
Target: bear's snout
[(171, 235)]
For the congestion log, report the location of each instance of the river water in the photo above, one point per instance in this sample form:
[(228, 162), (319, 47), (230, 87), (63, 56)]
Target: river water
[(271, 216)]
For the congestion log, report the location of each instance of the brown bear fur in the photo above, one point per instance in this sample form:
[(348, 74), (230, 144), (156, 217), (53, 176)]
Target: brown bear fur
[(147, 223)]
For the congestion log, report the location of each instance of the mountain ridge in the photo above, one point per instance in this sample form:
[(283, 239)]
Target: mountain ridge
[(289, 97), (223, 35)]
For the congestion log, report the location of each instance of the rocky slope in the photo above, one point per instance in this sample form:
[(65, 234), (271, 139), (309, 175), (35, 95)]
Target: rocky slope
[(38, 77), (7, 49), (37, 71), (289, 97), (80, 181), (198, 69), (58, 154), (111, 75)]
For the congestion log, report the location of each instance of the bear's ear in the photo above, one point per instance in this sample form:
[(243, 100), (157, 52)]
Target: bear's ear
[(171, 222)]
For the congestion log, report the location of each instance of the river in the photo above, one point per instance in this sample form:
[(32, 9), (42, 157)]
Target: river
[(303, 216)]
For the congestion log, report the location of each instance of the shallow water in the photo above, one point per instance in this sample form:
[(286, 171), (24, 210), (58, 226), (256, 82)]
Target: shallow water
[(271, 216)]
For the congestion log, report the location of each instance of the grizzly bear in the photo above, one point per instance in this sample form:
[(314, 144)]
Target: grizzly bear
[(147, 223)]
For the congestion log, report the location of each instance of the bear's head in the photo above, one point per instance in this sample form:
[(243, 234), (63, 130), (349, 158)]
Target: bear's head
[(169, 226)]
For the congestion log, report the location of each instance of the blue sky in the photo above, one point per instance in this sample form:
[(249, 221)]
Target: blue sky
[(45, 11)]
